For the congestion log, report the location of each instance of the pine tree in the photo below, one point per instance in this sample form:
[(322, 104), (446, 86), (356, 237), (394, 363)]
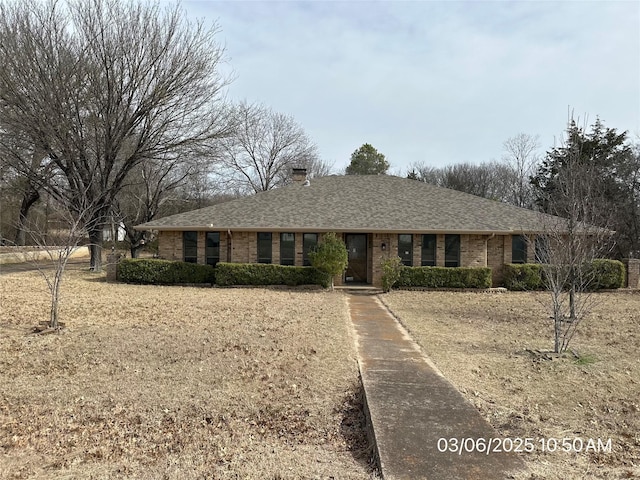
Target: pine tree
[(604, 156), (367, 161)]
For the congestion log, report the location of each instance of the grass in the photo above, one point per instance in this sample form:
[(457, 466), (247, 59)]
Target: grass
[(482, 344), (177, 383), (586, 359), (169, 382)]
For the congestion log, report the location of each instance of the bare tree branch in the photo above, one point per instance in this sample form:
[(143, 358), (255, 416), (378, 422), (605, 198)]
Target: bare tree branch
[(58, 245), (100, 86), (568, 248), (262, 151), (521, 158)]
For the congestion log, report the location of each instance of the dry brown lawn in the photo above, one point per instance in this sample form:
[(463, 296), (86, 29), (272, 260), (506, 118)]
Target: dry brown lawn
[(479, 342), (178, 383)]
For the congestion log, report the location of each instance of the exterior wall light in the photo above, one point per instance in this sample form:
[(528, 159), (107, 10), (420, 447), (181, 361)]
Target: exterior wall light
[(383, 246)]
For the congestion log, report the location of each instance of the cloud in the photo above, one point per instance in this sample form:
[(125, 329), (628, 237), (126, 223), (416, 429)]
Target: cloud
[(441, 82)]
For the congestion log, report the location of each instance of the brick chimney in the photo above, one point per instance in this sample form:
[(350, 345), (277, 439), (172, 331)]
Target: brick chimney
[(299, 175)]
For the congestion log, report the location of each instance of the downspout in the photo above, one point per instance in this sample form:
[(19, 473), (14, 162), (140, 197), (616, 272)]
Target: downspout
[(486, 255), (229, 239), (486, 249)]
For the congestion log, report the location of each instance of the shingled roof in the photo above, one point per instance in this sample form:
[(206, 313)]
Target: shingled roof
[(358, 203)]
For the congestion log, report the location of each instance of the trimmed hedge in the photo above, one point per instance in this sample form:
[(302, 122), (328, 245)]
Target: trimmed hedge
[(228, 274), (607, 274), (445, 277), (525, 276), (163, 272)]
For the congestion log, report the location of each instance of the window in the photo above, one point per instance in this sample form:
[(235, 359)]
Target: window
[(309, 242), (452, 250), (264, 247), (190, 247), (287, 249), (428, 250), (518, 249), (405, 249), (542, 249), (212, 245)]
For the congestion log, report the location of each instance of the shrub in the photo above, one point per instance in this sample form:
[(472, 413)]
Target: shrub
[(163, 272), (605, 274), (228, 274), (330, 257), (608, 274), (391, 268), (526, 276), (445, 277)]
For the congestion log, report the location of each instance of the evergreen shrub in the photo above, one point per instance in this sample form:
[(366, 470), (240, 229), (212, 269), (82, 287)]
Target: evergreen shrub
[(163, 272), (445, 277)]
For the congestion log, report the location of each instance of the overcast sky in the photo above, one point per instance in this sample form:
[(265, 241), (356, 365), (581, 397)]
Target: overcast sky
[(438, 82)]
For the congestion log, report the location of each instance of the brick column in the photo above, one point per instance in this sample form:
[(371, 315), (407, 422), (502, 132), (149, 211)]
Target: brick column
[(508, 258), (440, 257), (633, 272), (112, 266)]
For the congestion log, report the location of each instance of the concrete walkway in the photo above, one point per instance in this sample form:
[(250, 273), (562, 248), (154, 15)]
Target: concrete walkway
[(412, 406)]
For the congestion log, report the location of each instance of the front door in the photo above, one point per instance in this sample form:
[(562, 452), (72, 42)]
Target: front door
[(357, 248)]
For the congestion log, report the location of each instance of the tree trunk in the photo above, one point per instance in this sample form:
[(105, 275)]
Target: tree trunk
[(136, 241), (29, 197), (55, 296), (136, 249), (572, 303), (557, 327), (95, 248)]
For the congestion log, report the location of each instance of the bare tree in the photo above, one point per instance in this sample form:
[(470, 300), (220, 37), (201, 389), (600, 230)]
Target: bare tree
[(425, 173), (488, 179), (14, 154), (316, 168), (8, 194), (101, 85), (484, 180), (521, 157), (507, 181), (569, 245), (150, 185), (58, 246), (265, 146), (31, 187)]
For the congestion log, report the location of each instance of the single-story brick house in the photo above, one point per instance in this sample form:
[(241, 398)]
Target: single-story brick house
[(376, 215)]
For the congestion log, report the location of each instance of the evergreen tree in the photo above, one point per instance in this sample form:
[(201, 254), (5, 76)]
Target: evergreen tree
[(604, 157), (367, 161)]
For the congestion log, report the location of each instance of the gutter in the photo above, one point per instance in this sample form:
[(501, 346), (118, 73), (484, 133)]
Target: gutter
[(202, 228)]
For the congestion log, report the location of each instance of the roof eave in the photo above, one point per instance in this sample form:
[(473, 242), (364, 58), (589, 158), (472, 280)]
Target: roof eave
[(212, 228)]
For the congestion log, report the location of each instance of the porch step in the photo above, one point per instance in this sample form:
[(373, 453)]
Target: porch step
[(358, 289)]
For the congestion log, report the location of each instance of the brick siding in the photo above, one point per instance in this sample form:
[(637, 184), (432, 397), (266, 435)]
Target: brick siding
[(475, 250)]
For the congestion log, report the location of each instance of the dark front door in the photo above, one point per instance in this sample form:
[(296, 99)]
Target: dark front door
[(357, 248)]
